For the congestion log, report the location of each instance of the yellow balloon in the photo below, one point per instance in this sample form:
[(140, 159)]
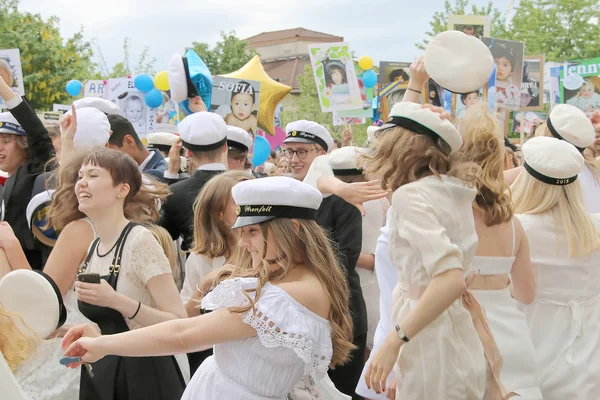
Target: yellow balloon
[(365, 63), (271, 92), (161, 81)]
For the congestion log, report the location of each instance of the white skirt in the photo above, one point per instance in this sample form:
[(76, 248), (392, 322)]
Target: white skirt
[(512, 336)]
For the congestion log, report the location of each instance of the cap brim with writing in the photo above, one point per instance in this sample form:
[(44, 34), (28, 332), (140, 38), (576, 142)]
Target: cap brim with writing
[(261, 200)]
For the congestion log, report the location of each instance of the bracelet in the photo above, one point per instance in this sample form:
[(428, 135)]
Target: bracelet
[(136, 311), (413, 90)]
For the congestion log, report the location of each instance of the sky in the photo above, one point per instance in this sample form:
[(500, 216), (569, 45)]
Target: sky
[(385, 30)]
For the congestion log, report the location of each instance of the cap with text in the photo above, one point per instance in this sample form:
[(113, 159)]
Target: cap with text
[(308, 132), (552, 161)]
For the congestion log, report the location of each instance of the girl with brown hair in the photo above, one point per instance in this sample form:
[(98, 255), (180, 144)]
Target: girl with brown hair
[(282, 313)]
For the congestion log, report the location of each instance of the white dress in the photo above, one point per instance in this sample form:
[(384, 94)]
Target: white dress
[(432, 231), (41, 376), (387, 278), (510, 329), (291, 342), (590, 189), (565, 316)]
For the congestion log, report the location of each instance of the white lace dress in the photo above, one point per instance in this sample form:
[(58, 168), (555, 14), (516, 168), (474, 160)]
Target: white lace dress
[(291, 342)]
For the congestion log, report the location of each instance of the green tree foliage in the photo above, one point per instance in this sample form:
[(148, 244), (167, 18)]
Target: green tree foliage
[(560, 29), (48, 61), (228, 55)]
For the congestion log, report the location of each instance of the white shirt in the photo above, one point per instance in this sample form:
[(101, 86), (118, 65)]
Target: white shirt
[(590, 189), (146, 161), (212, 167), (196, 268)]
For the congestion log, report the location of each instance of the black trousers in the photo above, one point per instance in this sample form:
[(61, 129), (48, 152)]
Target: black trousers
[(346, 377)]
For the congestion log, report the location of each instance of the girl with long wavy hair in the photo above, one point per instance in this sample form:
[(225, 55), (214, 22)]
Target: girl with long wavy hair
[(564, 240), (502, 258), (282, 313)]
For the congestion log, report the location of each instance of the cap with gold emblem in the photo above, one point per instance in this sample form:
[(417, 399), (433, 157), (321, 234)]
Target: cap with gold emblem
[(261, 200), (308, 132)]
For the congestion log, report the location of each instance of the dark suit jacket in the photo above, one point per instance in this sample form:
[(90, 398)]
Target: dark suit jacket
[(18, 187), (157, 166), (344, 223), (178, 210)]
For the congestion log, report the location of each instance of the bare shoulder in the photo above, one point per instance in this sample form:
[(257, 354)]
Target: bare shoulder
[(309, 292), (78, 230)]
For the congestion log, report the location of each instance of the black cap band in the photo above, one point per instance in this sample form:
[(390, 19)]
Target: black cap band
[(236, 145), (62, 315), (555, 133), (308, 136), (191, 88), (160, 147), (547, 179), (347, 172), (413, 126), (276, 211), (201, 147)]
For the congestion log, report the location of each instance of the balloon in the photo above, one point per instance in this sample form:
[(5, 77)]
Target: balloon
[(74, 87), (262, 151), (271, 92), (154, 98), (369, 78), (161, 81), (143, 83), (365, 63)]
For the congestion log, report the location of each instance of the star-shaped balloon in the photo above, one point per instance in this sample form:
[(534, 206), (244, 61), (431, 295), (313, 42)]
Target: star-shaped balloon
[(271, 92)]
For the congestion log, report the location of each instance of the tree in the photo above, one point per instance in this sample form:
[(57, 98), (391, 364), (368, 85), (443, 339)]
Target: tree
[(48, 62), (439, 23), (560, 29), (228, 55), (145, 65)]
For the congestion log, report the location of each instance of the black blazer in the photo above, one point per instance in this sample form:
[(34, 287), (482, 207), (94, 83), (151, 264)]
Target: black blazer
[(344, 223), (178, 210), (18, 187)]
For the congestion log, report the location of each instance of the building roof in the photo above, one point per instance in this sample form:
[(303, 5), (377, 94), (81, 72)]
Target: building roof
[(287, 71), (290, 35)]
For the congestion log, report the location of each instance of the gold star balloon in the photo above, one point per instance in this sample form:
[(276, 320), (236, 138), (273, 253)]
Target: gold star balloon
[(271, 92)]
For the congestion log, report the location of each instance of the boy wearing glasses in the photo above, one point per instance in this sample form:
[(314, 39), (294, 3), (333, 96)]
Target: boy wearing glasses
[(305, 141)]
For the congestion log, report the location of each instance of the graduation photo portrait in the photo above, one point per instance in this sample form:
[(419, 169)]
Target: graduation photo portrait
[(532, 87), (580, 84), (237, 101), (123, 93), (10, 70), (472, 25), (335, 76), (508, 56)]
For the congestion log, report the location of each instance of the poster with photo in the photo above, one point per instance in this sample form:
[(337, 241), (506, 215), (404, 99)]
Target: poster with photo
[(532, 87), (366, 96), (509, 57), (236, 100), (527, 121), (10, 70), (464, 101), (94, 88), (337, 84), (580, 84), (472, 25), (123, 93), (392, 83), (338, 120), (552, 83)]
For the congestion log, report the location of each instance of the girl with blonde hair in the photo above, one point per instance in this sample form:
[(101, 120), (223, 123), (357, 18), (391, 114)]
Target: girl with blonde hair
[(502, 257), (564, 242), (282, 313)]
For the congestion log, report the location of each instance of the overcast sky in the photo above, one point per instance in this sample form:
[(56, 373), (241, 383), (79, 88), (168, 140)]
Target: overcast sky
[(386, 30)]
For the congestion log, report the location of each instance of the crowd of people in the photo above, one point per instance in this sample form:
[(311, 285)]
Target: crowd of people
[(434, 263)]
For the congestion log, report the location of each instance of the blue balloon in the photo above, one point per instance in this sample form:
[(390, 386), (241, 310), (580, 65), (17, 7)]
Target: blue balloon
[(369, 78), (154, 98), (143, 83), (262, 151), (74, 88)]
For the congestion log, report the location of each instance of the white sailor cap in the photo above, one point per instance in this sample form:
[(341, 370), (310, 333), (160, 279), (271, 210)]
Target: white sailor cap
[(161, 140), (458, 62), (8, 124), (182, 165), (203, 131), (93, 129), (371, 131), (552, 161), (308, 132), (264, 199), (344, 161), (36, 213), (239, 138), (569, 123), (423, 121), (189, 77), (107, 107), (35, 297)]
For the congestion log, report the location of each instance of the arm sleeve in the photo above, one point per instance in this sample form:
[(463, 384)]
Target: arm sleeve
[(168, 218), (319, 168), (148, 258), (348, 233), (419, 225), (39, 144)]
